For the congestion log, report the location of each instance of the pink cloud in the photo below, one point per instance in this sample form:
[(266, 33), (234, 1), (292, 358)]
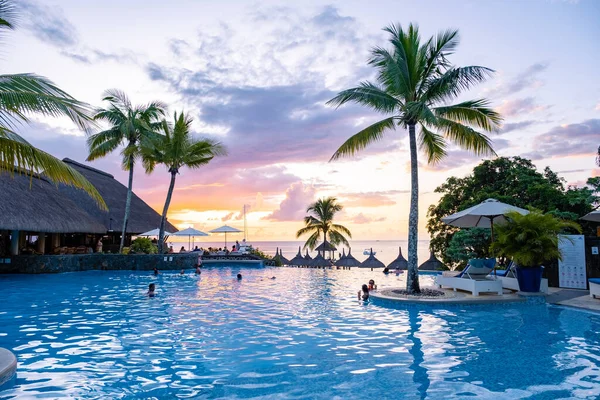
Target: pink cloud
[(525, 105), (293, 208), (360, 218)]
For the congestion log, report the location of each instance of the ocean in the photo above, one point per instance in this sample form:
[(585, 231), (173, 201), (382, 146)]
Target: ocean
[(386, 250)]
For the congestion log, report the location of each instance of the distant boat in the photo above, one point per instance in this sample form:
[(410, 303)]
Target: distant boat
[(367, 252)]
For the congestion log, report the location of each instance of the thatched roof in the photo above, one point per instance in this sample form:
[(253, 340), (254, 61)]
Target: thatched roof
[(142, 217), (326, 246), (307, 257), (371, 262), (279, 256), (320, 261), (298, 260), (400, 262), (433, 264), (33, 203), (349, 260), (340, 262)]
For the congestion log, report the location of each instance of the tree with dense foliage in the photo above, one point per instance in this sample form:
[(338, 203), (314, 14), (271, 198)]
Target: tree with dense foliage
[(415, 84), (512, 180), (24, 94), (320, 220), (175, 148), (129, 125), (469, 243)]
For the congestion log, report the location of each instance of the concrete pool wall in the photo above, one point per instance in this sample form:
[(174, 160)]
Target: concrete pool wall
[(40, 264)]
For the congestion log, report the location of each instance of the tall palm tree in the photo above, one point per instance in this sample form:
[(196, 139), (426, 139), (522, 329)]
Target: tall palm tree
[(25, 94), (415, 83), (321, 221), (176, 148), (130, 125)]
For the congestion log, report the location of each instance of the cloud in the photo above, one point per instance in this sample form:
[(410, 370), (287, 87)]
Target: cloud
[(370, 199), (516, 126), (527, 79), (363, 219), (525, 105), (567, 140), (293, 208), (48, 24)]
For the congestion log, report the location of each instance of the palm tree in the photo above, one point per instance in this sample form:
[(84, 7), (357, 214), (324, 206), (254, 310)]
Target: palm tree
[(415, 81), (321, 221), (25, 94), (130, 125), (175, 149)]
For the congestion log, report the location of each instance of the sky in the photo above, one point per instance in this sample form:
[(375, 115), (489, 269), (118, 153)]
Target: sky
[(257, 75)]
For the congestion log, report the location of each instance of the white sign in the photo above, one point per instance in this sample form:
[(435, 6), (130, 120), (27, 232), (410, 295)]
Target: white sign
[(571, 270)]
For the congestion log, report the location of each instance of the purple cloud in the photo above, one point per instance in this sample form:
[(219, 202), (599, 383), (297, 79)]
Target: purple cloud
[(567, 140), (509, 127)]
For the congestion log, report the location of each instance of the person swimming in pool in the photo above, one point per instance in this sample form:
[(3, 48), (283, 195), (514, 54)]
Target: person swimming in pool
[(155, 271), (239, 277), (182, 272), (151, 289), (386, 270), (372, 285), (198, 270), (363, 294)]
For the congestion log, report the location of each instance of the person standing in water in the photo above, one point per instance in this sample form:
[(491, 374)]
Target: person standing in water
[(151, 289)]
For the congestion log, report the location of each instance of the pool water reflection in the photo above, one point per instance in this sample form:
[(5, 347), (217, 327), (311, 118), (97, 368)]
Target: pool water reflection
[(301, 335)]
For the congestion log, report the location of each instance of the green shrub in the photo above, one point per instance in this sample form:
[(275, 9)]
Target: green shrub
[(143, 246)]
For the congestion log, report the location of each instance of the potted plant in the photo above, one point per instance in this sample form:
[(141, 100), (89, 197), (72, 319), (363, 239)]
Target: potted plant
[(530, 240)]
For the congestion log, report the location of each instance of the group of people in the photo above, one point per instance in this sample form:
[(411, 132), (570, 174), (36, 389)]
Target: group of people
[(198, 271), (363, 293)]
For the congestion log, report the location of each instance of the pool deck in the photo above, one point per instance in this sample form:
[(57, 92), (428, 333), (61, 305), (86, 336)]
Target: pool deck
[(558, 296), (573, 298)]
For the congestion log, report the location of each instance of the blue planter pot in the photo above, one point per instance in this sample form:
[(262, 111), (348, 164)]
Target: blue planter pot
[(529, 279)]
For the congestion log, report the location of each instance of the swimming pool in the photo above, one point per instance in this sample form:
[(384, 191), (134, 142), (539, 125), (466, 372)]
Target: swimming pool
[(303, 335)]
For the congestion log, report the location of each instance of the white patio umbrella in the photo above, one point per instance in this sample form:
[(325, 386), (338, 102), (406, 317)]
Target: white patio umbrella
[(483, 215), (594, 216), (154, 232), (190, 233), (225, 229)]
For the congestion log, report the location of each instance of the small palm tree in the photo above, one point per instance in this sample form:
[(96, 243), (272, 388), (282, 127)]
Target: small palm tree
[(415, 81), (25, 94), (176, 148), (321, 221), (130, 125)]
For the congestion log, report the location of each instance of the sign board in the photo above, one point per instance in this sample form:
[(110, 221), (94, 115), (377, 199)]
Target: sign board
[(571, 270)]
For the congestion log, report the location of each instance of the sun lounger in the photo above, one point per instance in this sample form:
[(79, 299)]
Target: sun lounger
[(474, 278), (594, 287)]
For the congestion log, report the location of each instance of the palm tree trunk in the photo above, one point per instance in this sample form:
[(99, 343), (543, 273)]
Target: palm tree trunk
[(127, 206), (163, 220), (412, 280)]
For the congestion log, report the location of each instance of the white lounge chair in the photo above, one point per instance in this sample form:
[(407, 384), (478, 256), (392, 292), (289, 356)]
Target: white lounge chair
[(508, 277), (474, 278), (594, 287)]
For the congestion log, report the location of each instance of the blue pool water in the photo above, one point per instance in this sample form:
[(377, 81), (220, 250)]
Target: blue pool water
[(95, 335)]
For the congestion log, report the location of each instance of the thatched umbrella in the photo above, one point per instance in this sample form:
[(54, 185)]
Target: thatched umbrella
[(320, 261), (371, 262), (340, 262), (307, 258), (433, 264), (325, 246), (298, 260), (279, 257), (400, 262), (350, 261)]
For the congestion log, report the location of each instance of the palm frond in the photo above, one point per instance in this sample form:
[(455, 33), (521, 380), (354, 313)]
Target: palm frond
[(342, 229), (362, 139), (23, 94), (307, 229), (336, 238), (312, 241), (466, 137), (453, 82), (8, 15), (432, 144), (473, 112), (367, 94), (16, 152)]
